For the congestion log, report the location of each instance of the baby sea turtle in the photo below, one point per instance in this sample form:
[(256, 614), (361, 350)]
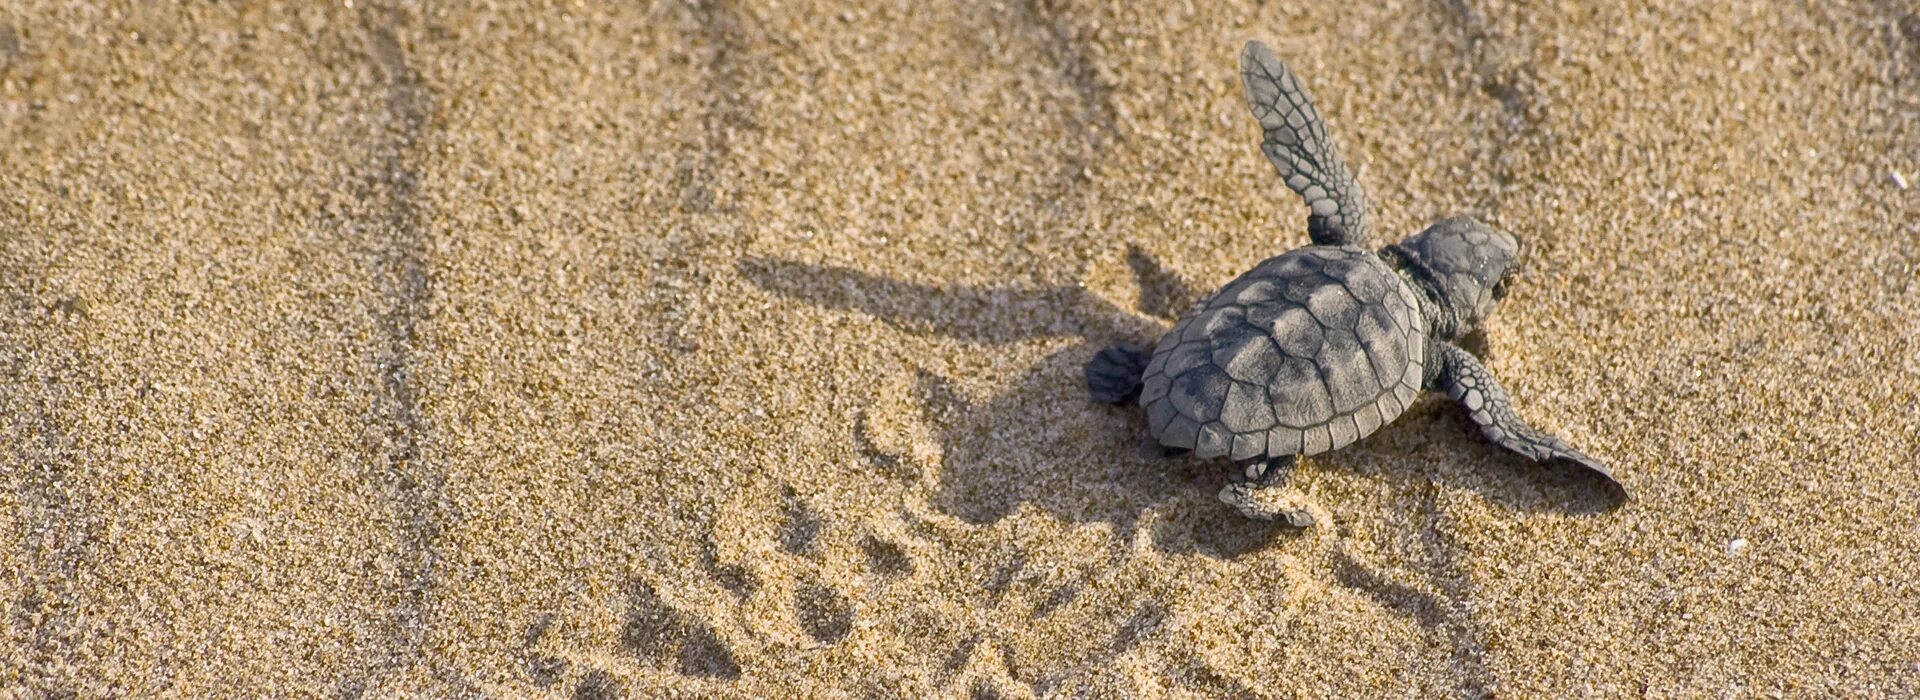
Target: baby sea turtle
[(1317, 348)]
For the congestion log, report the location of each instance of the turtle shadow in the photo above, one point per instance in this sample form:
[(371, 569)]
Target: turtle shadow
[(1039, 442), (1042, 443), (1505, 480)]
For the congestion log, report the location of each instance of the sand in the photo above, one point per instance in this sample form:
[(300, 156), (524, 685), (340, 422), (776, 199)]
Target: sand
[(732, 350)]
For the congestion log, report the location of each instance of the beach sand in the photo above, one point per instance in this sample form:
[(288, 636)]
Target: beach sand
[(733, 350)]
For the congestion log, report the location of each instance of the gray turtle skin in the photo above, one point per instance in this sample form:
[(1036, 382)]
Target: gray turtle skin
[(1318, 347)]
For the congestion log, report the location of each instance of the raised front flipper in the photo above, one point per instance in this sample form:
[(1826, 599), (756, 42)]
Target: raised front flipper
[(1297, 143), (1468, 382)]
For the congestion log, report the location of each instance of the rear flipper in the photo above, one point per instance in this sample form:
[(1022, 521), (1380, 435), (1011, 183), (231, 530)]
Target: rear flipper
[(1113, 376), (1262, 492), (1468, 383)]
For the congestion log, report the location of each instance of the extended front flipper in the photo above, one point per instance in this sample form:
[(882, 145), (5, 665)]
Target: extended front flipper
[(1297, 143), (1466, 381)]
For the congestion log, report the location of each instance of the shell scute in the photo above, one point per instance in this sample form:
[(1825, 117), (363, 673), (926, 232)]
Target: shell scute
[(1252, 358), (1246, 409), (1299, 398)]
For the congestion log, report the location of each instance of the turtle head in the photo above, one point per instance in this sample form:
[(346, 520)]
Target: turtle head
[(1464, 264)]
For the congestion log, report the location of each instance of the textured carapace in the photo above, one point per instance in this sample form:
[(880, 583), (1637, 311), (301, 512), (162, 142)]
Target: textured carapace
[(1307, 352)]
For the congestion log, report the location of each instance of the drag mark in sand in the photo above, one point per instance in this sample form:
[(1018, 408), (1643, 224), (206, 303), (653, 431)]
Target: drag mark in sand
[(1909, 33), (724, 109), (702, 195), (1498, 77), (415, 486), (1094, 119), (1903, 47)]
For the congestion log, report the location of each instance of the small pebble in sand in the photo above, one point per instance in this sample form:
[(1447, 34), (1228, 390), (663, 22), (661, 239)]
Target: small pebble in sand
[(1738, 545), (1899, 180)]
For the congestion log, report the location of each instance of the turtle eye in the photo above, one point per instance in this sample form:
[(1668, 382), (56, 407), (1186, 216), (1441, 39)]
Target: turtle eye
[(1500, 290)]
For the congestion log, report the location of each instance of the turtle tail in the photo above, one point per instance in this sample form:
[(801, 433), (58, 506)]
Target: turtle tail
[(1113, 375)]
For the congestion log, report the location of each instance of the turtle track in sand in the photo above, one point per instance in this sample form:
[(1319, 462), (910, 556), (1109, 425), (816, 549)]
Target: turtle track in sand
[(415, 484)]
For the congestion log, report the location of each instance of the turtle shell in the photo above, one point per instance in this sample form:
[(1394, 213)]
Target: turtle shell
[(1308, 352)]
